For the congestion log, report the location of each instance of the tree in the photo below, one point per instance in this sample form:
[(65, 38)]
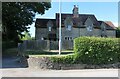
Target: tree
[(17, 15), (27, 36)]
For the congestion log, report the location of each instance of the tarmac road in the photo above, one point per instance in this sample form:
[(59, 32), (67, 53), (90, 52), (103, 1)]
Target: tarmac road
[(11, 68), (26, 72)]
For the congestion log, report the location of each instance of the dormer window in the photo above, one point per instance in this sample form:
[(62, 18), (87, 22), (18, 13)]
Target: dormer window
[(68, 23), (89, 24), (49, 25)]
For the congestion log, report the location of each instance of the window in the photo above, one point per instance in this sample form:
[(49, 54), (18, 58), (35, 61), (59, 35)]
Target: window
[(65, 38), (89, 28), (49, 28), (49, 25), (68, 38), (69, 27), (68, 23), (42, 38)]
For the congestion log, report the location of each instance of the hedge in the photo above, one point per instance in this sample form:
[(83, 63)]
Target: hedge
[(67, 59), (97, 50), (92, 50)]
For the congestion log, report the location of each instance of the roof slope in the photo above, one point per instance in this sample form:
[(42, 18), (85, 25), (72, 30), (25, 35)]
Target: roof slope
[(81, 19), (77, 22), (109, 25), (42, 23)]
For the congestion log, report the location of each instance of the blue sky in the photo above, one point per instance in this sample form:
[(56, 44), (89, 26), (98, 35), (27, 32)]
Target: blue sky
[(106, 11)]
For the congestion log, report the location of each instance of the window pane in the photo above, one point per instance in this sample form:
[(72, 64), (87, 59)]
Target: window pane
[(49, 28), (69, 27)]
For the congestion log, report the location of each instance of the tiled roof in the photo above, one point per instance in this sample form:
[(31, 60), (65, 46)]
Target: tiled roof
[(77, 22), (42, 23), (81, 19), (109, 25)]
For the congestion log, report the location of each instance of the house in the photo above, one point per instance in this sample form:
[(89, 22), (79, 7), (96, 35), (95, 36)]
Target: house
[(73, 26)]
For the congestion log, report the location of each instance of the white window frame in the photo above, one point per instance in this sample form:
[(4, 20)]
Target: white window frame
[(89, 28), (42, 38), (50, 28), (69, 27)]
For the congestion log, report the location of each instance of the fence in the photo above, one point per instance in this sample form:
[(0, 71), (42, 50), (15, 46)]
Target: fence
[(44, 45)]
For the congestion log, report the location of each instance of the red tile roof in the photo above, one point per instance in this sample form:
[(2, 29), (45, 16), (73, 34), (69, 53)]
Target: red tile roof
[(110, 24)]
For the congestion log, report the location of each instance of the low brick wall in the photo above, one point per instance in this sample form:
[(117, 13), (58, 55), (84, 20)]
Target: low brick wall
[(46, 63)]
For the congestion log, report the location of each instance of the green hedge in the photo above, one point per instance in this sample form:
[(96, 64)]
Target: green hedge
[(96, 50), (67, 59)]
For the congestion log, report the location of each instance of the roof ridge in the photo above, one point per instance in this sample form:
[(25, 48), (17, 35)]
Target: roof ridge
[(72, 14)]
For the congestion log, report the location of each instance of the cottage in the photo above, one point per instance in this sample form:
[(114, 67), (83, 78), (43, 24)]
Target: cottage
[(73, 26)]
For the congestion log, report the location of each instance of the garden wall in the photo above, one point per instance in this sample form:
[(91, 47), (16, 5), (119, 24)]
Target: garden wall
[(46, 63)]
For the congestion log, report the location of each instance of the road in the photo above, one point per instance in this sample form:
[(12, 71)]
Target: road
[(26, 72), (11, 68)]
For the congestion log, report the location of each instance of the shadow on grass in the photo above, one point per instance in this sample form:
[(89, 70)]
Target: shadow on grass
[(51, 52)]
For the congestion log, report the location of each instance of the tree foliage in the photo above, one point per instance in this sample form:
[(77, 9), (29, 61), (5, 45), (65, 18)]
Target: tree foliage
[(17, 15), (27, 36)]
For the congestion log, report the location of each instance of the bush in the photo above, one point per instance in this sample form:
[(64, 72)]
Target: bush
[(96, 50), (67, 59)]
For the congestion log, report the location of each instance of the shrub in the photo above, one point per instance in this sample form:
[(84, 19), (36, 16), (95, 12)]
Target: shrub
[(96, 50), (67, 59)]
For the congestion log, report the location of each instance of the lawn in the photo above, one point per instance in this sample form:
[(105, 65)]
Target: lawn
[(48, 53)]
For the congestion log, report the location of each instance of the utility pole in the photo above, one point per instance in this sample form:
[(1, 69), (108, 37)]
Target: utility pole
[(60, 27)]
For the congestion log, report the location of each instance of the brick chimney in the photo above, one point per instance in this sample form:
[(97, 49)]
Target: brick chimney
[(75, 12)]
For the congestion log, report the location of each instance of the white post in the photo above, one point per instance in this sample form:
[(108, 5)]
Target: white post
[(60, 27)]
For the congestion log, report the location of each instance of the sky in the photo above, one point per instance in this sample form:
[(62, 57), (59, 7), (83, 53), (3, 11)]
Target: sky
[(105, 11)]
